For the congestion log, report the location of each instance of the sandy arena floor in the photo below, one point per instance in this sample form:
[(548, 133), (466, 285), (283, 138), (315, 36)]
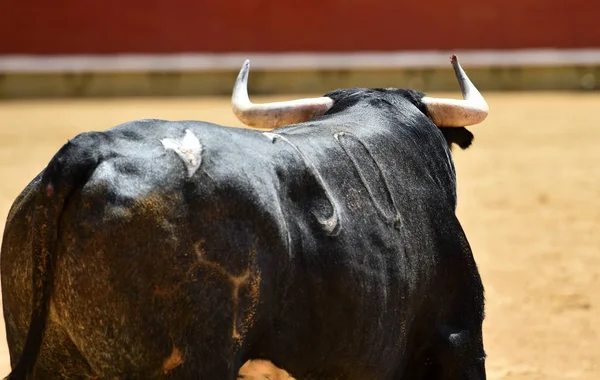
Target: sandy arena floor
[(529, 200)]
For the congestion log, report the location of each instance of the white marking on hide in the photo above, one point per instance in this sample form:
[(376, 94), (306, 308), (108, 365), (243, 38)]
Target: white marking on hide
[(188, 149), (271, 136)]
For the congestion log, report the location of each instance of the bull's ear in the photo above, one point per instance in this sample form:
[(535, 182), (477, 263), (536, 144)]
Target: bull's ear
[(460, 136)]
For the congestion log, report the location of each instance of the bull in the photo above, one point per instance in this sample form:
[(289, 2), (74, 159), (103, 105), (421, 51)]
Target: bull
[(327, 244)]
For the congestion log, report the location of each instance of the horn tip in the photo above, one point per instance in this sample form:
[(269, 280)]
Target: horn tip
[(246, 65), (453, 59), (243, 75)]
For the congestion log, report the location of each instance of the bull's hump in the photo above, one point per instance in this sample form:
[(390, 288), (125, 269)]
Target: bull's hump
[(142, 158), (192, 163)]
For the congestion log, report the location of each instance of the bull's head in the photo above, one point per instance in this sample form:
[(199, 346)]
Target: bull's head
[(443, 112)]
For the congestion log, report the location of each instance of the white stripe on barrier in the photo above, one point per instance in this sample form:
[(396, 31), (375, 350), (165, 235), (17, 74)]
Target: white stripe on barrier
[(295, 61)]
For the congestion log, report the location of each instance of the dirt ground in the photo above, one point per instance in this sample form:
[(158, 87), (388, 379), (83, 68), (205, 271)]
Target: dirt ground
[(529, 200)]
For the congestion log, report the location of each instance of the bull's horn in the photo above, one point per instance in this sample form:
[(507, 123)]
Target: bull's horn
[(458, 113), (276, 114)]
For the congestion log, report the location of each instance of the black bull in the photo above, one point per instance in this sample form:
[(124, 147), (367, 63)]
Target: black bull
[(182, 249)]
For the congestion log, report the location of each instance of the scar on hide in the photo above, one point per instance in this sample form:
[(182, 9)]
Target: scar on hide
[(173, 361), (247, 277), (188, 149), (330, 224), (370, 175)]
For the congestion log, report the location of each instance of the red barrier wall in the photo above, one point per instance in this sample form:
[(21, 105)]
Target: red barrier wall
[(170, 26)]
